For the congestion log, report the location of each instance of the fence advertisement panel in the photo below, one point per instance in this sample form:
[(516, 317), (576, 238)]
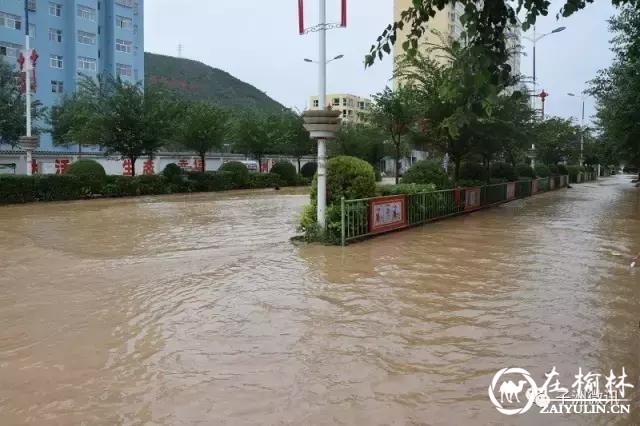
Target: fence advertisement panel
[(511, 190), (472, 198), (387, 213), (534, 186)]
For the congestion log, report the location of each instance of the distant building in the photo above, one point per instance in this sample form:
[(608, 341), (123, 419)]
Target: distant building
[(353, 107), (446, 23), (73, 38)]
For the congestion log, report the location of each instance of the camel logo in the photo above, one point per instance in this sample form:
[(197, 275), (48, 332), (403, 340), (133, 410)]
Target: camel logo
[(511, 391)]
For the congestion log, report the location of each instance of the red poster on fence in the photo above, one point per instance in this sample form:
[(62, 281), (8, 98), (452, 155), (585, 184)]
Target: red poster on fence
[(387, 213), (472, 199), (511, 190)]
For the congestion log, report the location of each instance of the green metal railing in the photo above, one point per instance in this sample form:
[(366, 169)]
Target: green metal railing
[(492, 194), (429, 206)]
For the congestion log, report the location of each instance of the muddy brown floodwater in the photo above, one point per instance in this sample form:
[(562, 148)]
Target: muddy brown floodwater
[(199, 310)]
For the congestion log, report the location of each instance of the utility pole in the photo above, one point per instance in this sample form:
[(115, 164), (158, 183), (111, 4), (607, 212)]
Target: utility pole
[(322, 104)]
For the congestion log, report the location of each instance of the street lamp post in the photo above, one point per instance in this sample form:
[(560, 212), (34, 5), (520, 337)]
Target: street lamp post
[(582, 96), (535, 40)]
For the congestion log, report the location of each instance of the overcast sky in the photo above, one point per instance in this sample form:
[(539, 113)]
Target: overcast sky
[(257, 41)]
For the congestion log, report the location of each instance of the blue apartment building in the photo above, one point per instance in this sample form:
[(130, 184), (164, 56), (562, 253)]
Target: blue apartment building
[(74, 38)]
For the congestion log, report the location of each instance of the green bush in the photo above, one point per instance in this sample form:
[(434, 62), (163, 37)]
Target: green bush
[(406, 188), (426, 172), (23, 189), (151, 185), (210, 181), (61, 187), (347, 177), (265, 180), (542, 171), (471, 183), (562, 169), (91, 175), (286, 171), (473, 171), (172, 172), (309, 169), (524, 170), (378, 175), (240, 173), (553, 170), (16, 189), (504, 171)]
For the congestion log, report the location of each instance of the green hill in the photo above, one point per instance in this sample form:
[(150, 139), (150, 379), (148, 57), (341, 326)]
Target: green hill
[(195, 80)]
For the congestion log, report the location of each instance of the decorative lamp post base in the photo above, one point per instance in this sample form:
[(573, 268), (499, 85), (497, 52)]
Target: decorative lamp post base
[(322, 125), (29, 144)]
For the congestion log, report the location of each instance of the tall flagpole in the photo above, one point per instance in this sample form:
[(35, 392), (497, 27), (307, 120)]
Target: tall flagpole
[(322, 103)]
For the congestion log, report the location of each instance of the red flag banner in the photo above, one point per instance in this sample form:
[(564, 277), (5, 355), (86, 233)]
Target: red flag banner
[(301, 16), (343, 19)]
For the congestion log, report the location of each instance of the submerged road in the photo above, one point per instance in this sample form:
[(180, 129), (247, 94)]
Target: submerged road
[(198, 309)]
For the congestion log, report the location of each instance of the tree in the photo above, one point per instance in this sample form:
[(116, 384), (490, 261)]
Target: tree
[(203, 127), (360, 140), (294, 139), (453, 97), (485, 24), (557, 139), (13, 107), (256, 134), (616, 88), (393, 112), (506, 132), (121, 117)]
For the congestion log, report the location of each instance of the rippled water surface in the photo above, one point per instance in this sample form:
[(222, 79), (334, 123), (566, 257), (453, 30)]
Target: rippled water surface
[(199, 310)]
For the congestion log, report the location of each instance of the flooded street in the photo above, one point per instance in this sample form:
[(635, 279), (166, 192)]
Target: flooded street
[(199, 310)]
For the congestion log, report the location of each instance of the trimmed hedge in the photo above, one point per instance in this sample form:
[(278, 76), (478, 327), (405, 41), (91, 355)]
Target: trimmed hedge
[(525, 170), (24, 189), (504, 171), (309, 169), (286, 171), (91, 173), (473, 172), (265, 180), (542, 171), (240, 173)]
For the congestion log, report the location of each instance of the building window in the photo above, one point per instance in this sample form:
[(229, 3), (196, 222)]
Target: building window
[(361, 105), (86, 12), (344, 101), (86, 38), (316, 103), (124, 22), (336, 101), (344, 112), (57, 86), (55, 61), (123, 70), (123, 46), (86, 64), (13, 22), (32, 31), (55, 9), (31, 5), (55, 35), (126, 3), (10, 50)]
